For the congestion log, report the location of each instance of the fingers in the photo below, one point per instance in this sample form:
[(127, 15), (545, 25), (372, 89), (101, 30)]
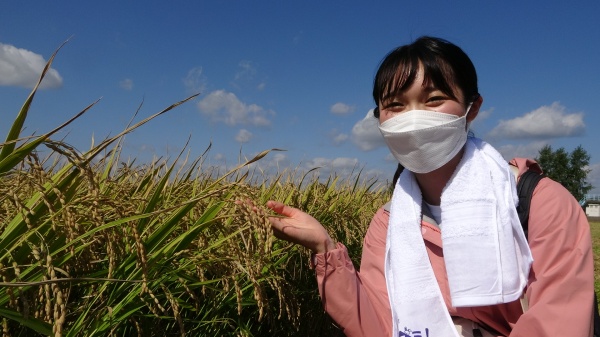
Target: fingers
[(299, 227), (281, 225), (280, 208)]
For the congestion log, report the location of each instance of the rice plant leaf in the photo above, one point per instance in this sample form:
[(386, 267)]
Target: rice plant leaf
[(91, 154), (15, 129), (16, 228), (95, 230), (331, 189), (142, 185), (8, 160), (80, 323), (268, 195), (156, 196), (13, 157), (356, 181), (33, 323), (166, 228), (260, 156), (116, 151), (219, 242), (118, 315), (100, 324), (182, 241)]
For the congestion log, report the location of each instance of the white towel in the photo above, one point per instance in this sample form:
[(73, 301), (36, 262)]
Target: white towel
[(486, 253)]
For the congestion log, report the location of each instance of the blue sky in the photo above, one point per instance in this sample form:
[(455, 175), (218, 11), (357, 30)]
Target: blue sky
[(294, 75)]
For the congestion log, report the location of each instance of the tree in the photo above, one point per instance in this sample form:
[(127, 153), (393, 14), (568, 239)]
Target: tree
[(569, 169)]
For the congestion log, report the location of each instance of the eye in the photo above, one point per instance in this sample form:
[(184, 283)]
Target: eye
[(436, 100), (393, 106)]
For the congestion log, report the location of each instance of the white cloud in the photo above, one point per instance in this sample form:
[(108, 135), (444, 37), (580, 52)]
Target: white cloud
[(346, 168), (366, 134), (146, 147), (223, 106), (22, 68), (529, 150), (343, 166), (341, 109), (482, 116), (195, 82), (542, 123), (338, 137), (272, 164), (243, 136), (344, 162), (390, 158), (322, 168), (280, 158), (126, 84), (247, 71)]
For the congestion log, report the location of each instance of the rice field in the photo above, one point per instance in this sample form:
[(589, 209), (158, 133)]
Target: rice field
[(91, 245), (104, 249)]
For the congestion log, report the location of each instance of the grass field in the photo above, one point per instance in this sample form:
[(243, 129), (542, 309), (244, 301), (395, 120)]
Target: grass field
[(595, 229)]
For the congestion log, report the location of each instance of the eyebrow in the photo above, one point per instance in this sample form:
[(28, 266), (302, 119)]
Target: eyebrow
[(392, 94), (388, 97)]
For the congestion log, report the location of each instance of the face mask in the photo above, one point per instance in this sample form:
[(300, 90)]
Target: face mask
[(422, 140)]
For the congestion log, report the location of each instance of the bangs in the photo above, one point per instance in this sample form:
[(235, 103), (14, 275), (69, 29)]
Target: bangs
[(396, 77), (445, 67), (398, 72)]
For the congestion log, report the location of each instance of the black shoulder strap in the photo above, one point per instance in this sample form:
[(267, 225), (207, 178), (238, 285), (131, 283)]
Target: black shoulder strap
[(525, 187)]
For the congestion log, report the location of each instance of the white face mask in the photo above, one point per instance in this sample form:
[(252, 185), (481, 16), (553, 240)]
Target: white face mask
[(423, 140)]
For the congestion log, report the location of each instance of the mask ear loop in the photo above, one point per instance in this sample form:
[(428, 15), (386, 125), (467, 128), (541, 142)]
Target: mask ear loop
[(467, 124)]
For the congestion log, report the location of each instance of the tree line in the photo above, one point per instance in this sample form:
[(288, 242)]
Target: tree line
[(568, 168)]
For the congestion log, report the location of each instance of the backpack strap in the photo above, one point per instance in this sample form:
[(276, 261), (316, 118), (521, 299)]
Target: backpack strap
[(525, 187)]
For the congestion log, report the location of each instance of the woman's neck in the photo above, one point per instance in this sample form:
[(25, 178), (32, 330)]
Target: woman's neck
[(432, 184)]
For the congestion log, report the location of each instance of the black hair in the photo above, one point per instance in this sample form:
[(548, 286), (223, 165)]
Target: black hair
[(399, 170), (445, 65)]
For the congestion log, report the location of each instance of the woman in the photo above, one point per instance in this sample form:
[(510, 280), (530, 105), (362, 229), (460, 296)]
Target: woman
[(457, 191)]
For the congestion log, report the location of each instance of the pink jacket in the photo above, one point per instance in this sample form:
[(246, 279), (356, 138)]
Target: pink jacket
[(559, 292)]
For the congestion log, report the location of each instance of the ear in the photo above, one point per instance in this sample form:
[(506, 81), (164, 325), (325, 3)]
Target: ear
[(474, 109)]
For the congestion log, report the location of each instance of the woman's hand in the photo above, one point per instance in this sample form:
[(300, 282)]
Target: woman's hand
[(299, 227)]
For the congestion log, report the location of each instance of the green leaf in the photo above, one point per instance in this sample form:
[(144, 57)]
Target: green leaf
[(8, 160), (33, 323), (15, 130)]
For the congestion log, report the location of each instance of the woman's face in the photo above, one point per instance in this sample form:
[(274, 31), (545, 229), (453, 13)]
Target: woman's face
[(419, 97)]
